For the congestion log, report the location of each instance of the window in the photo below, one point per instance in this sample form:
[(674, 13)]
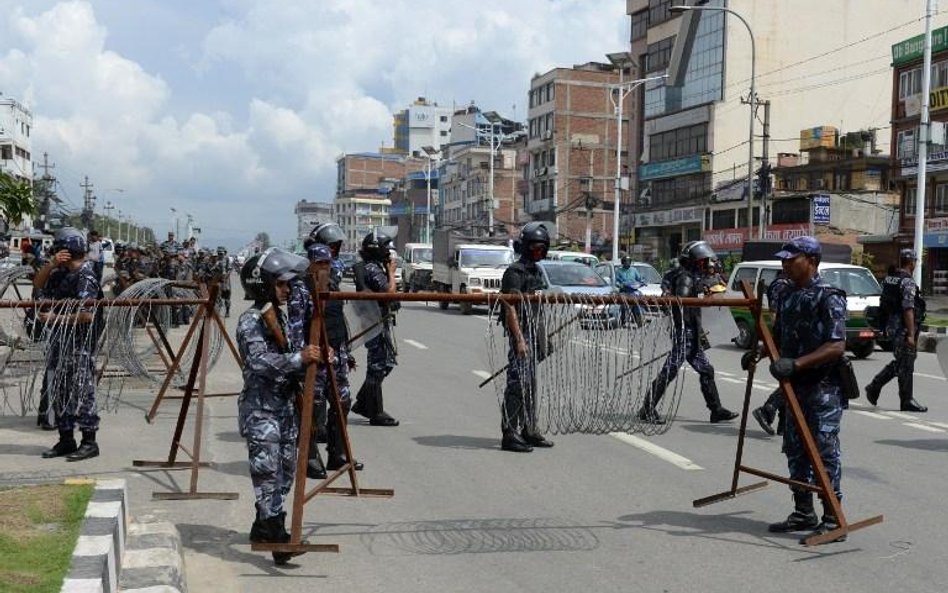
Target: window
[(908, 201), (722, 219), (679, 142), (6, 152), (743, 273), (742, 217), (551, 158), (679, 190), (941, 200), (444, 133), (767, 275), (910, 83), (659, 54), (658, 11), (444, 119), (791, 211), (939, 74), (905, 144), (639, 24)]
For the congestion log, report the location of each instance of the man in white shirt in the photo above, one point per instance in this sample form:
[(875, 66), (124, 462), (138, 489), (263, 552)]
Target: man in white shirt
[(94, 253)]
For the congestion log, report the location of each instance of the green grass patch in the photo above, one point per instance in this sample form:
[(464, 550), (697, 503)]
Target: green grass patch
[(39, 526), (936, 320)]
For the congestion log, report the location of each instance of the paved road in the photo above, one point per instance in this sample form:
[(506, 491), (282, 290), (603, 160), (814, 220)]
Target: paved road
[(595, 513)]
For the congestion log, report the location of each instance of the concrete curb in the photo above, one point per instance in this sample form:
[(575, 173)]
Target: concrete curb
[(114, 555)]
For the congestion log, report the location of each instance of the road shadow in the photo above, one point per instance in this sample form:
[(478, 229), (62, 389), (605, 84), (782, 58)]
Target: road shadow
[(232, 436), (478, 536), (22, 424), (232, 546), (32, 450), (728, 430), (454, 441), (921, 444)]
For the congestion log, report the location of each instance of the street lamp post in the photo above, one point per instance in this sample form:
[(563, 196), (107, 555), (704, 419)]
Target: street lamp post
[(433, 154), (109, 206), (753, 114), (496, 141)]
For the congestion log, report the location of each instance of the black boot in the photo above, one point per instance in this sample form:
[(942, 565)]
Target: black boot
[(88, 448), (368, 400), (65, 446), (872, 393), (765, 417), (278, 527), (910, 405), (512, 441), (828, 523), (649, 415), (722, 414), (315, 469), (335, 443), (536, 440), (319, 417), (802, 518)]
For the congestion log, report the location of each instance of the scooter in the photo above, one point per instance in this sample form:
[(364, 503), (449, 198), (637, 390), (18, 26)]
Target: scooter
[(631, 311)]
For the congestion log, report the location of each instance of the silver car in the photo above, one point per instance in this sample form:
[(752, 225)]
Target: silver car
[(574, 278)]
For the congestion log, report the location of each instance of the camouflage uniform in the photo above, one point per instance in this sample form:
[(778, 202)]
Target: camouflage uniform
[(221, 271), (808, 318), (381, 358), (267, 417), (70, 352)]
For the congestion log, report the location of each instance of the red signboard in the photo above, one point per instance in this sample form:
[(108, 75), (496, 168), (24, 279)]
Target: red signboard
[(733, 239)]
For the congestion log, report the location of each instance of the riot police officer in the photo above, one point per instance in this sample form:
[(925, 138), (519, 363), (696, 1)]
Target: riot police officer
[(686, 281), (376, 272), (904, 310), (221, 271), (811, 327), (527, 344), (70, 355), (267, 416)]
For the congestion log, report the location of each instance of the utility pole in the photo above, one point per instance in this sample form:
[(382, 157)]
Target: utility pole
[(88, 204), (765, 170), (45, 193), (924, 133)]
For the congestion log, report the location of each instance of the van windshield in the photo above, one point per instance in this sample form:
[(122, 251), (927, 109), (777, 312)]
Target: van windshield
[(421, 255), (486, 258), (854, 281)]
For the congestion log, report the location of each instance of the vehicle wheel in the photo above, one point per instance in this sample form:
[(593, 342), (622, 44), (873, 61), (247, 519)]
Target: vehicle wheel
[(886, 345), (466, 307), (443, 304), (863, 349), (745, 335)]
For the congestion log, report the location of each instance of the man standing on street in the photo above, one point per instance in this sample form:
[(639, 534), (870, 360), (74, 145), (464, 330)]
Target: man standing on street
[(811, 327), (95, 253), (904, 310)]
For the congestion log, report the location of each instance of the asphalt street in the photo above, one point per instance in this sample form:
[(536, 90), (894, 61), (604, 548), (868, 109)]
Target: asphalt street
[(597, 513)]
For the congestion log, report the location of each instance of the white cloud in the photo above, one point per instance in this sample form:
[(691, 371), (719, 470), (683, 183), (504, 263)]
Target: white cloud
[(314, 79)]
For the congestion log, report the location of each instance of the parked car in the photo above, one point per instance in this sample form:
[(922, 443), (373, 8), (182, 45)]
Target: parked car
[(574, 278), (348, 260), (649, 275), (861, 288), (577, 256)]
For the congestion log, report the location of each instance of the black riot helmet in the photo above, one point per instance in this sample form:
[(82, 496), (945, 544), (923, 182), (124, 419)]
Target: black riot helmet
[(695, 251), (375, 247), (327, 233), (72, 240), (262, 271), (533, 234)]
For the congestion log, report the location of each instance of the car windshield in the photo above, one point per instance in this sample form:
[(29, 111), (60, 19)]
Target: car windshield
[(573, 275), (857, 282), (649, 274), (421, 255), (472, 258)]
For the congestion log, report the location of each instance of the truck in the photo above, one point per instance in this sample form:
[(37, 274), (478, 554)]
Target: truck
[(463, 264), (416, 267)]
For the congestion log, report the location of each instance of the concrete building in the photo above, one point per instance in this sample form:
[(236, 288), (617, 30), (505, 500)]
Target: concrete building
[(464, 189), (16, 124), (363, 184), (906, 105), (309, 214), (693, 139), (409, 209), (423, 123), (571, 152)]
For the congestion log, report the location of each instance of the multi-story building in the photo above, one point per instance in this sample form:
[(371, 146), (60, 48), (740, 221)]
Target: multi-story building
[(309, 214), (570, 157), (363, 186), (409, 209), (907, 57), (423, 123), (693, 139), (16, 159)]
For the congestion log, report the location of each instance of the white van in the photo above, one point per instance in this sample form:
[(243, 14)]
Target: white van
[(416, 267), (861, 288)]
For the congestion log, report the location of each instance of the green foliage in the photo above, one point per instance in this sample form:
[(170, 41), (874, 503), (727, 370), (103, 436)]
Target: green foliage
[(16, 199), (729, 262)]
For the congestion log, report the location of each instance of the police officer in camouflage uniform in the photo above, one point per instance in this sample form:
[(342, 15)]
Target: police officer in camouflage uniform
[(686, 281), (221, 271), (905, 311), (811, 327), (267, 415), (376, 272), (527, 342), (71, 341)]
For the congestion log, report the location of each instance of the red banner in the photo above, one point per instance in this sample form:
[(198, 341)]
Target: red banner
[(733, 239)]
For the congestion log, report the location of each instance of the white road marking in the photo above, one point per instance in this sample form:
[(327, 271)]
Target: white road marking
[(903, 416), (724, 373), (482, 374), (872, 414), (660, 452), (923, 427), (939, 424), (418, 345), (730, 380), (927, 376), (854, 404), (484, 317)]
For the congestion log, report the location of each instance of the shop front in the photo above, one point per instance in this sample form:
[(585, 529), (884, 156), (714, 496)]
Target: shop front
[(666, 231)]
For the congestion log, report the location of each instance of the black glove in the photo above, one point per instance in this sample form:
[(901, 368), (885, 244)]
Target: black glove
[(783, 368)]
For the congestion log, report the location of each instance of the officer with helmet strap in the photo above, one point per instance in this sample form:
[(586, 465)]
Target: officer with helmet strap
[(267, 416), (527, 343), (686, 281)]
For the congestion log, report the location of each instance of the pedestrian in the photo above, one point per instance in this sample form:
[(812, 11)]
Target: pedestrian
[(527, 343), (684, 281), (70, 349), (95, 254), (26, 250), (903, 309), (811, 327), (267, 416), (376, 273)]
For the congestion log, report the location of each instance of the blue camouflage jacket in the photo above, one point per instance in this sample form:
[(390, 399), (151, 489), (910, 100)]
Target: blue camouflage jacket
[(809, 317), (270, 376)]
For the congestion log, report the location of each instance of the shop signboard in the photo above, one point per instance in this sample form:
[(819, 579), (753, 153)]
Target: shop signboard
[(821, 209), (675, 167), (913, 49), (937, 161), (936, 240), (734, 239), (669, 217)]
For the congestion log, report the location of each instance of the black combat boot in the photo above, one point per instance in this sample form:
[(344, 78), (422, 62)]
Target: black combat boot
[(648, 413), (802, 518), (910, 405), (512, 441), (722, 414), (315, 469), (828, 523), (765, 416), (335, 445), (535, 439), (280, 534), (258, 531), (88, 448), (65, 446), (872, 392), (319, 417)]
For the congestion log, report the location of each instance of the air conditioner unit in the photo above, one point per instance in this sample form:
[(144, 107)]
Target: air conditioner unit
[(547, 135)]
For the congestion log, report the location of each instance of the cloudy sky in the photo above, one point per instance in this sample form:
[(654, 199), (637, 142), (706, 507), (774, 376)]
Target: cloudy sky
[(232, 110)]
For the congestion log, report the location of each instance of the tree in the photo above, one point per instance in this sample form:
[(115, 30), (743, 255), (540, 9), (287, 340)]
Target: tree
[(16, 199), (264, 240)]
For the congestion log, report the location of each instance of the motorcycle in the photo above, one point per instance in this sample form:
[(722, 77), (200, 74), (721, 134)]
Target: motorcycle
[(631, 311)]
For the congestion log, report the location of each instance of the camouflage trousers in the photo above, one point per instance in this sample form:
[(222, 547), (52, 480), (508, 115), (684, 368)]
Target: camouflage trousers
[(382, 357), (271, 447), (519, 409), (901, 368), (69, 387), (823, 410), (686, 347)]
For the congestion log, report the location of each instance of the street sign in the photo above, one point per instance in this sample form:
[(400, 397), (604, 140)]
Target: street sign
[(821, 209)]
